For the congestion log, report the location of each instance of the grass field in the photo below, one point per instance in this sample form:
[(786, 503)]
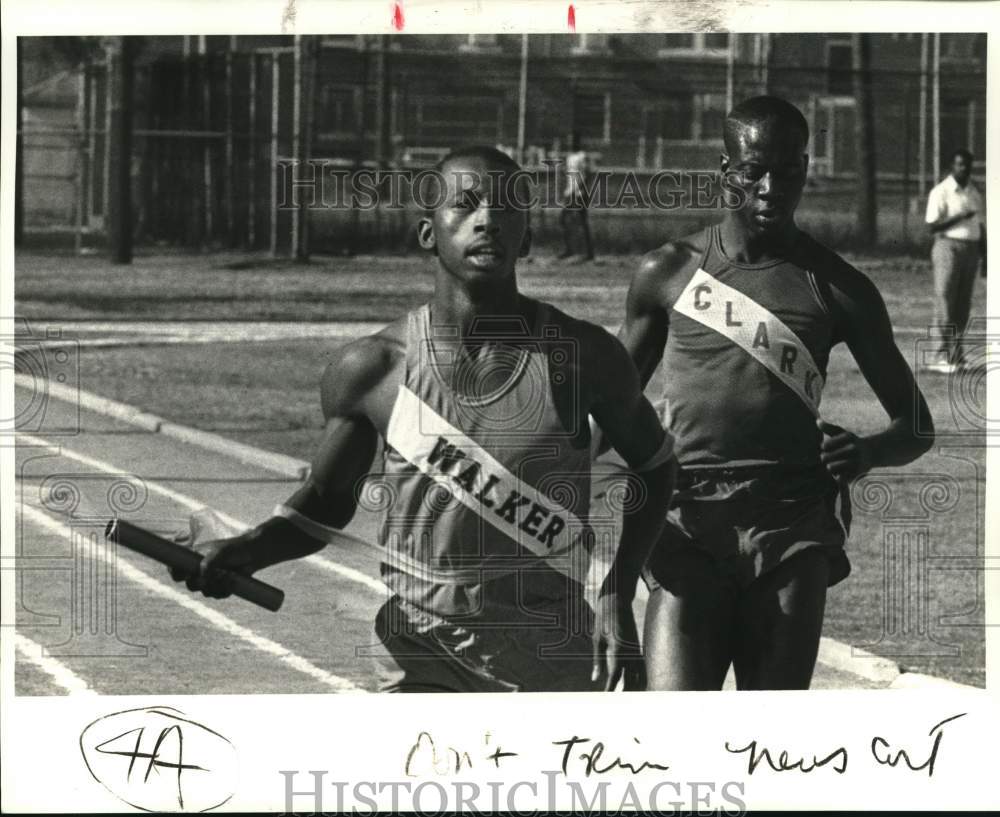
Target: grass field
[(265, 393), (363, 288)]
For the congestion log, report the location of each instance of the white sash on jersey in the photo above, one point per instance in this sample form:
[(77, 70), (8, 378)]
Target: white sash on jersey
[(756, 330), (765, 337), (483, 485)]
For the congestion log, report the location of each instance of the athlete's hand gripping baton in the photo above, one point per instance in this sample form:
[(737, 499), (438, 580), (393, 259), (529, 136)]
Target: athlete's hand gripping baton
[(188, 561)]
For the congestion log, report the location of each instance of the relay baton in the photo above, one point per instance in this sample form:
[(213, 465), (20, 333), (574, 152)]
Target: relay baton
[(188, 561)]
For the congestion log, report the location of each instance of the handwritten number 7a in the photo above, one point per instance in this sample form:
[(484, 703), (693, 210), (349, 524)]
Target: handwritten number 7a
[(153, 757)]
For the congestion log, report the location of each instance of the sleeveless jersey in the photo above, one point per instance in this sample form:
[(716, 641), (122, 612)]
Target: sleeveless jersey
[(724, 407), (475, 489)]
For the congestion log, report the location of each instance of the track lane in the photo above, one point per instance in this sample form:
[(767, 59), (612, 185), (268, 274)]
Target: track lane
[(328, 612), (150, 653)]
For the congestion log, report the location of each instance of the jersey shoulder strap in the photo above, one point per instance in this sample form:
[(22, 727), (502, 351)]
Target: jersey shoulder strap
[(819, 262)]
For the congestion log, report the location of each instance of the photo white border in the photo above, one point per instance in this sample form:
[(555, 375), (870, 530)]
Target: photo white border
[(367, 737)]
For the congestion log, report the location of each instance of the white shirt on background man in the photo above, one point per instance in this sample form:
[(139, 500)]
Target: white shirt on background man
[(948, 199), (577, 169)]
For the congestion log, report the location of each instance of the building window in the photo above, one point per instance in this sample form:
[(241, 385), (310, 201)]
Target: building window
[(337, 111), (710, 116), (455, 118), (591, 44), (831, 122), (592, 116), (678, 42), (958, 47), (821, 138), (685, 118), (690, 45), (839, 68), (354, 42), (676, 119), (480, 43)]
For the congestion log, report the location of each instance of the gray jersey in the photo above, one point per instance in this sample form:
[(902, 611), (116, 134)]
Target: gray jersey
[(477, 489)]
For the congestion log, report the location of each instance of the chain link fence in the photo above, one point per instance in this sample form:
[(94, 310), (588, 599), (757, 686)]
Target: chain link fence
[(223, 127)]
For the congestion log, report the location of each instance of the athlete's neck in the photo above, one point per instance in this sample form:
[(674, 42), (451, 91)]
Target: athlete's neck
[(456, 304), (744, 246)]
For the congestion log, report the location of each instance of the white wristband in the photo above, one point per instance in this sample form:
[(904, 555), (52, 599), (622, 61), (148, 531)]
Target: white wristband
[(310, 527)]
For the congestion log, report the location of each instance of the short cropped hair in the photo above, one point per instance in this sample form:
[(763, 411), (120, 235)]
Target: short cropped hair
[(760, 109), (490, 155), (965, 153), (485, 153)]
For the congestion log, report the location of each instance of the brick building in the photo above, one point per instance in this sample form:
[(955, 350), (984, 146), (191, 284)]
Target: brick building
[(215, 116)]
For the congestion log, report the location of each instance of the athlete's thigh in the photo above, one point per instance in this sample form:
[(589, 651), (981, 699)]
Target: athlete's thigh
[(779, 622), (408, 660), (550, 657), (689, 619)]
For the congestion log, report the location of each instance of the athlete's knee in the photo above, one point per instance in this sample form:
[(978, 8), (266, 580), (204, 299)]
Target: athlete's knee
[(683, 651)]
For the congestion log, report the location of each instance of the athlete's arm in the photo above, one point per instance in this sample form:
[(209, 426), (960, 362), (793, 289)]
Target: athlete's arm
[(868, 332), (632, 426), (644, 331), (328, 495)]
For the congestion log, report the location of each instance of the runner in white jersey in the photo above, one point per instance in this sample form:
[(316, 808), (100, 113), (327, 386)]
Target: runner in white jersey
[(482, 399)]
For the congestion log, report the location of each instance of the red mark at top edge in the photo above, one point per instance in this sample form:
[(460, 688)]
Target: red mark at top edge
[(571, 18), (397, 17)]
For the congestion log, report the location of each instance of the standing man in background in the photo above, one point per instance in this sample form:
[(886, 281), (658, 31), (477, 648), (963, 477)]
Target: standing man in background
[(578, 170), (955, 216)]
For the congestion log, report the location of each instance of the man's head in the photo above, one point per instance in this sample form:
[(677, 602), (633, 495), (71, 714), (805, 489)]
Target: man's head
[(961, 165), (765, 162), (478, 227)]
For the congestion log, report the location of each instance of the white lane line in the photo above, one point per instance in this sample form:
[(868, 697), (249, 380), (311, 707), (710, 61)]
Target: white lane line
[(132, 415), (170, 332), (213, 617), (62, 675), (316, 560), (196, 331)]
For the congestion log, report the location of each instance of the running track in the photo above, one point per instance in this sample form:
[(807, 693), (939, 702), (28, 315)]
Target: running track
[(152, 635)]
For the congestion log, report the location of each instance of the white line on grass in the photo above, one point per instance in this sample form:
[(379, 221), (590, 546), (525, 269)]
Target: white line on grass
[(322, 562), (213, 617), (62, 675), (141, 333)]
